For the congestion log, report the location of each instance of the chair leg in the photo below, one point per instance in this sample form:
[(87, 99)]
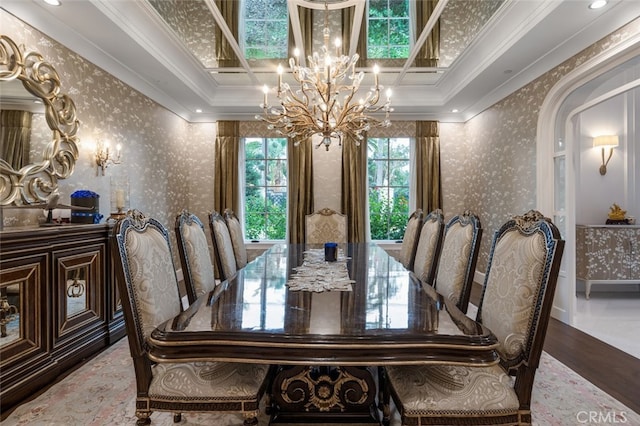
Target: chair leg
[(250, 421), (143, 418), (177, 417), (384, 396), (267, 403)]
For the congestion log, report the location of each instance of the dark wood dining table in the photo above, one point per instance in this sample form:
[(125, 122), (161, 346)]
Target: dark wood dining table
[(325, 343)]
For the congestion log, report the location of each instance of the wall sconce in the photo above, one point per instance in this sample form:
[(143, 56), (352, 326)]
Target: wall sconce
[(608, 141), (104, 156)]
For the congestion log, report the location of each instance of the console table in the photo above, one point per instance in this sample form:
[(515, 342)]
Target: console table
[(59, 304), (607, 254)]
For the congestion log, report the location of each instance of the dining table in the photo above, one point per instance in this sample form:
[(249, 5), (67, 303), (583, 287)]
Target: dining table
[(326, 327)]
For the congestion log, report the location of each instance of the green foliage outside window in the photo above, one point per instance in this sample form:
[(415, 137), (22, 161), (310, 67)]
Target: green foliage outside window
[(265, 210), (266, 27), (388, 177), (388, 35)]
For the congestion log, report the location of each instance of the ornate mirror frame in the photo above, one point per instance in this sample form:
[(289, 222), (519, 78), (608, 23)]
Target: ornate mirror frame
[(36, 181)]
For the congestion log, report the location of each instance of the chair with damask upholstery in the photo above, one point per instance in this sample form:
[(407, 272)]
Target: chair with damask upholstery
[(427, 254), (410, 239), (148, 285), (326, 226), (458, 258), (519, 285), (225, 259), (237, 238), (195, 257)]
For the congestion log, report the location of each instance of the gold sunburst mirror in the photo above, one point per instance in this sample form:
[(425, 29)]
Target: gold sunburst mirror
[(28, 176)]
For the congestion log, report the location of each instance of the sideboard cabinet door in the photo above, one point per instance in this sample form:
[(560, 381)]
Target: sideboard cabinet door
[(57, 304), (24, 338)]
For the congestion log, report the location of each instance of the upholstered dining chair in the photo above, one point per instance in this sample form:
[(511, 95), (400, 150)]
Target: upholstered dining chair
[(458, 258), (515, 304), (195, 257), (148, 286), (325, 226), (237, 238), (425, 260), (410, 239), (225, 259)]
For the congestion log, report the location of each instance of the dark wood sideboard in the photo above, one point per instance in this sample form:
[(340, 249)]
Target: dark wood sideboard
[(59, 304)]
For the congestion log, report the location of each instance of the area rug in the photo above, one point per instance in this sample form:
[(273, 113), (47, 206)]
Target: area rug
[(102, 392)]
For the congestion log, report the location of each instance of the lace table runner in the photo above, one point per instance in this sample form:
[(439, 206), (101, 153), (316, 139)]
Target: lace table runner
[(317, 275)]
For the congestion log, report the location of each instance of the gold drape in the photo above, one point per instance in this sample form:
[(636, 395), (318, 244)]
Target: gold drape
[(354, 189), (428, 182), (225, 191), (15, 135), (300, 182), (430, 52), (347, 24), (224, 53), (306, 29)]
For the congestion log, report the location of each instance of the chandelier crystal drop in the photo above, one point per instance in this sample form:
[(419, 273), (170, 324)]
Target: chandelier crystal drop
[(324, 103)]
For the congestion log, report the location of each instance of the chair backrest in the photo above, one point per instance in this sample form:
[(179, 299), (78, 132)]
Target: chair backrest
[(458, 258), (428, 249), (325, 226), (410, 239), (195, 257), (222, 247), (519, 285), (146, 278), (237, 238)]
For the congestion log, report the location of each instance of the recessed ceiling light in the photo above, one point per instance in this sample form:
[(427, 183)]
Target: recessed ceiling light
[(198, 110), (598, 4), (53, 2), (454, 110)]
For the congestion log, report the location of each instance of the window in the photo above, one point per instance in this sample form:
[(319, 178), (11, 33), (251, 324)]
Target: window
[(266, 28), (265, 197), (388, 161), (388, 35)]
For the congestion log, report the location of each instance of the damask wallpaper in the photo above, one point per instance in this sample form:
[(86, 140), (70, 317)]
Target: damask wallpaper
[(157, 144), (488, 163)]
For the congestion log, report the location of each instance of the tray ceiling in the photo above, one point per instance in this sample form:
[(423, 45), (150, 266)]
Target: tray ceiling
[(165, 49)]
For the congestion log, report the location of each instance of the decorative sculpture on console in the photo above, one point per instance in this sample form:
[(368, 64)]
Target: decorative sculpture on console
[(617, 216)]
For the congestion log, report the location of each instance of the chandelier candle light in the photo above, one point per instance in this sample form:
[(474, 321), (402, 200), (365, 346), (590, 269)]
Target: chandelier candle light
[(323, 104)]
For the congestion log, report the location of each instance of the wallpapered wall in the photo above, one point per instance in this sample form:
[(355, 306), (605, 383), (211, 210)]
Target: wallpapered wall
[(500, 146), (488, 163), (156, 143)]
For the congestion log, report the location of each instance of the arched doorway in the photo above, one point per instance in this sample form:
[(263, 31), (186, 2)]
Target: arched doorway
[(556, 152)]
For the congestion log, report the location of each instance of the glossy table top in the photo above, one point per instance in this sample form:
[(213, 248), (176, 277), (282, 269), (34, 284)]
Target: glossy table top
[(387, 318)]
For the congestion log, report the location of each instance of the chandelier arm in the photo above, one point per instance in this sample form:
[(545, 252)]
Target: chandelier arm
[(288, 93), (347, 109), (323, 104)]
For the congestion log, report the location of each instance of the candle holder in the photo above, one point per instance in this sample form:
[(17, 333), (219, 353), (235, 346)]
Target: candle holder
[(119, 197)]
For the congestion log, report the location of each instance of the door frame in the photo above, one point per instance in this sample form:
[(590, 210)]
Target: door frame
[(552, 123)]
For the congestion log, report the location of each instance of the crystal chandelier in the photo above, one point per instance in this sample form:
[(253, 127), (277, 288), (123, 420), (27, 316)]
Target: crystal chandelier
[(324, 104)]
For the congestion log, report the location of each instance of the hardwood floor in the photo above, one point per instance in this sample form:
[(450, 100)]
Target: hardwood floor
[(612, 370)]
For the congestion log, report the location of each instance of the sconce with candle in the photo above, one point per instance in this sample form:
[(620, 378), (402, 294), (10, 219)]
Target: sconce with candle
[(105, 156), (604, 142)]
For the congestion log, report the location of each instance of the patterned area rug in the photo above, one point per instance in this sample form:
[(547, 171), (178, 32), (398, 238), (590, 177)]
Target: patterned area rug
[(102, 392)]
